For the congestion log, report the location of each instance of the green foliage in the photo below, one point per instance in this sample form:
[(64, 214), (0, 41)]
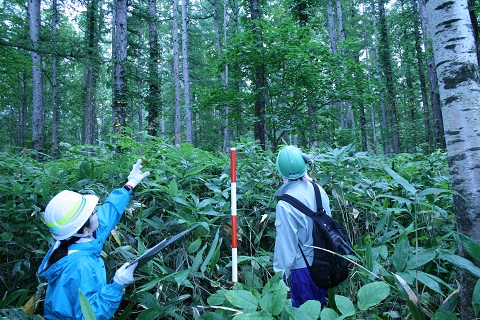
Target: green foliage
[(87, 309), (397, 210)]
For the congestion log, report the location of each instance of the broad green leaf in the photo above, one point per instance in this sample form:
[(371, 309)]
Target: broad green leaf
[(274, 297), (311, 309), (218, 298), (462, 263), (198, 259), (194, 171), (471, 246), (421, 258), (400, 254), (258, 315), (372, 294), (180, 276), (368, 257), (210, 253), (401, 180), (415, 311), (428, 281), (87, 309), (243, 299), (194, 246), (328, 314), (476, 298), (173, 188), (345, 306), (182, 201)]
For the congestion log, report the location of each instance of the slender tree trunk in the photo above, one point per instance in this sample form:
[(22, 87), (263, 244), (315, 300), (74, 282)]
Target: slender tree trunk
[(37, 77), (387, 69), (331, 27), (153, 83), (459, 83), (23, 122), (421, 77), (260, 76), (438, 129), (472, 7), (54, 148), (90, 75), (176, 74), (218, 42), (385, 132), (119, 106), (186, 73)]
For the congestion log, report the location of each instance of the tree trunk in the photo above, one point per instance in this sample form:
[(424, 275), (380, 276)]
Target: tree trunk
[(260, 77), (438, 130), (387, 69), (186, 73), (153, 83), (37, 77), (219, 35), (331, 27), (119, 106), (459, 83), (176, 75), (54, 148), (421, 76)]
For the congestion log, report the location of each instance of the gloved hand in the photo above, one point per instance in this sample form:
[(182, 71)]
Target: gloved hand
[(136, 176), (124, 275)]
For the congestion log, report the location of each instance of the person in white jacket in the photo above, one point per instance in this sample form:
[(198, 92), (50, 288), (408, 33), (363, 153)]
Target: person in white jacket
[(294, 229)]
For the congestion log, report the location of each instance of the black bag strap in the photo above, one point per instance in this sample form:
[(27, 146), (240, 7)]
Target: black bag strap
[(306, 210), (302, 207)]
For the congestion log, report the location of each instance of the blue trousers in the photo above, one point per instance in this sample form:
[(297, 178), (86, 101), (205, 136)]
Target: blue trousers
[(303, 288)]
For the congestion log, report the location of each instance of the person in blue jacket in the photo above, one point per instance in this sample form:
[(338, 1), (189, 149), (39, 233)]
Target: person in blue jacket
[(74, 263), (293, 228)]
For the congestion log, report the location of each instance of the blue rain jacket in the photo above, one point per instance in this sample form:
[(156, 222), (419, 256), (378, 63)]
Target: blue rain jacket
[(295, 228), (85, 270)]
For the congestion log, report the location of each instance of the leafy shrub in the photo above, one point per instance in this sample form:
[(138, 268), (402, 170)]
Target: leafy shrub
[(398, 212)]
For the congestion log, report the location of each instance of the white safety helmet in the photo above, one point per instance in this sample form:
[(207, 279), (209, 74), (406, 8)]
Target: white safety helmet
[(67, 212)]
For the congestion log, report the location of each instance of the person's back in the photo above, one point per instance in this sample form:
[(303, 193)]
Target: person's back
[(294, 228)]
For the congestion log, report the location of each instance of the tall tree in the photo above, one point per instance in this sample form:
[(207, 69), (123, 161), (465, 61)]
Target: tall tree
[(54, 148), (186, 73), (153, 82), (90, 74), (438, 129), (119, 43), (459, 83), (386, 62), (37, 76), (260, 79), (421, 75), (176, 74)]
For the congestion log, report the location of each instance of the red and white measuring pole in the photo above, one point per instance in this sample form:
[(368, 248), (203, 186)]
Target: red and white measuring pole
[(233, 179)]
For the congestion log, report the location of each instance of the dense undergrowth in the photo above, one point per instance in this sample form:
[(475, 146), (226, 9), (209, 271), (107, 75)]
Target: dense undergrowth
[(398, 211)]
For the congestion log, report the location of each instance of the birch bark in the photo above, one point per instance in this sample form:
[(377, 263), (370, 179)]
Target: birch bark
[(459, 85)]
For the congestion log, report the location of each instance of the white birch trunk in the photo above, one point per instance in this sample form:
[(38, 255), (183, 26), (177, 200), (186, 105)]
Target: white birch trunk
[(459, 86)]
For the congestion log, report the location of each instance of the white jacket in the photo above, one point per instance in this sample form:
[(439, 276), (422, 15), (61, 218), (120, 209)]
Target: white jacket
[(295, 228)]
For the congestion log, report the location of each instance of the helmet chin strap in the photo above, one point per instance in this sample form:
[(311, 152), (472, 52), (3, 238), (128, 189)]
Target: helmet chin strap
[(83, 235)]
